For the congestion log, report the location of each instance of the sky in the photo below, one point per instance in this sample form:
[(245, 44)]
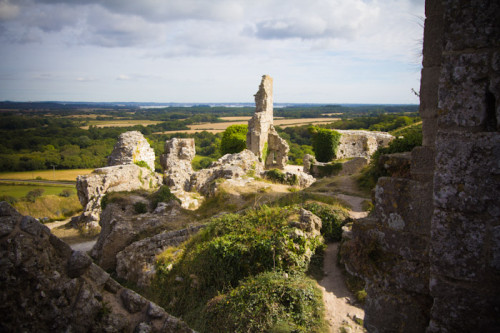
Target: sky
[(211, 51)]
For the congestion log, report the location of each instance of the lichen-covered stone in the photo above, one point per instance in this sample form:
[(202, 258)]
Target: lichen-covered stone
[(361, 143), (120, 178), (176, 163), (132, 147), (136, 262)]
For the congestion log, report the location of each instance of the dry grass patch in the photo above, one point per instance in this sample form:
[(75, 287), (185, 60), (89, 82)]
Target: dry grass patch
[(62, 175)]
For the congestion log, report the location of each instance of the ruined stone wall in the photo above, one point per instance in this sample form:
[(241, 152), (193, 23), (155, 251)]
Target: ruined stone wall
[(465, 230), (430, 252), (262, 120)]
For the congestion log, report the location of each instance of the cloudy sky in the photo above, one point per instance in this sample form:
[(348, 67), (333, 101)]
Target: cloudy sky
[(317, 51)]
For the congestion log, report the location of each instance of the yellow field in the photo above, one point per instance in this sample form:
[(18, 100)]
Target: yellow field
[(120, 123), (63, 175), (220, 127)]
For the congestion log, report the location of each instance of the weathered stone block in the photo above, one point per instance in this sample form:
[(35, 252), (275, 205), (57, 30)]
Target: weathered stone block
[(432, 46), (389, 310), (132, 147), (422, 163), (464, 308), (462, 94), (471, 24), (404, 205), (429, 91), (429, 131), (458, 245), (467, 172)]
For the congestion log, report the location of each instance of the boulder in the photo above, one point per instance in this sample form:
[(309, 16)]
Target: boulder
[(131, 148), (48, 287)]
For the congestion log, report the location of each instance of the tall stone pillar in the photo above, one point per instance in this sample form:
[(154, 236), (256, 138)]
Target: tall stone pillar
[(262, 120)]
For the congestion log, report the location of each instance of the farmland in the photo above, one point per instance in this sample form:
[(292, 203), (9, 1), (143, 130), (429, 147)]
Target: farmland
[(217, 127), (57, 175)]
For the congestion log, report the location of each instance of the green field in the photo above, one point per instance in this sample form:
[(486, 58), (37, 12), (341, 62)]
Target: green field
[(18, 190)]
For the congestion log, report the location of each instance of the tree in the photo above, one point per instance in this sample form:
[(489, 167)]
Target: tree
[(234, 139), (325, 143)]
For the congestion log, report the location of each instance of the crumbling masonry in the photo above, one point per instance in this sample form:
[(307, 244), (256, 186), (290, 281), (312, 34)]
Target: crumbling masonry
[(262, 131), (430, 253)]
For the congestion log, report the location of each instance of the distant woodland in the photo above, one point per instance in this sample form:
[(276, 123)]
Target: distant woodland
[(38, 136)]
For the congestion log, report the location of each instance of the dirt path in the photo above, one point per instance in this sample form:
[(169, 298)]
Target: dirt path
[(340, 311), (336, 296)]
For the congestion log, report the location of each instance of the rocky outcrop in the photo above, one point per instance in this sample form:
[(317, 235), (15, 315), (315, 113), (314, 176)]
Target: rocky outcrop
[(320, 169), (92, 188), (176, 163), (120, 226), (131, 148), (361, 143), (229, 166), (136, 263), (45, 286), (262, 132)]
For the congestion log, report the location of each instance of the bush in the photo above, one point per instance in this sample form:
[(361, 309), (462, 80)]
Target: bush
[(10, 199), (32, 195), (231, 248), (66, 193), (332, 220), (163, 195), (234, 139), (411, 138), (140, 208), (276, 175), (325, 143), (268, 302)]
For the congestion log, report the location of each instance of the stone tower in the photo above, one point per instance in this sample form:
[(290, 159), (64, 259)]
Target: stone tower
[(262, 131)]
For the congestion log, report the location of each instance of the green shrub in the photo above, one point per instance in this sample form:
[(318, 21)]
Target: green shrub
[(331, 169), (411, 138), (163, 195), (32, 195), (234, 139), (142, 164), (268, 302), (231, 248), (277, 176), (325, 143), (332, 220), (66, 193), (140, 208), (10, 199)]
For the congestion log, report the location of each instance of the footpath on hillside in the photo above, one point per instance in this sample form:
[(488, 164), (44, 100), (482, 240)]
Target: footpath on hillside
[(342, 312)]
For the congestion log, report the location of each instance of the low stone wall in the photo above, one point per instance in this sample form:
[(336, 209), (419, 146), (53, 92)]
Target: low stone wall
[(361, 143)]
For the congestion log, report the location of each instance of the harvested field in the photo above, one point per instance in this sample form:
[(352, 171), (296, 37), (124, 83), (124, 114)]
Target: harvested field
[(220, 127), (62, 175), (119, 123)]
